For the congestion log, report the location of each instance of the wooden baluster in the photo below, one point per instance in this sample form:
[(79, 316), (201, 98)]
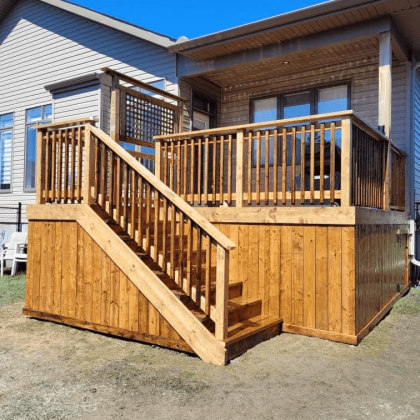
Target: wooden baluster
[(172, 173), (73, 165), (302, 163), (275, 166), (258, 169), (198, 267), (102, 177), (192, 172), (178, 167), (165, 163), (40, 170), (185, 180), (222, 292), (206, 171), (267, 168), (173, 235), (148, 216), (250, 168), (293, 177), (312, 170), (199, 170), (284, 167), (229, 198), (66, 165), (181, 250), (118, 182), (322, 165), (208, 276), (140, 222), (164, 233), (79, 163), (88, 167), (158, 160), (53, 164), (332, 164), (59, 193), (156, 233), (189, 252), (125, 195), (214, 180), (221, 169), (133, 204), (111, 196)]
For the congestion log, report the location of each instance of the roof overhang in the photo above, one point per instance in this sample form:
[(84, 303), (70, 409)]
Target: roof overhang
[(152, 37)]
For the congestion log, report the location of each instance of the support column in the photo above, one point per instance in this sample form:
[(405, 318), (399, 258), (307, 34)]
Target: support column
[(385, 83)]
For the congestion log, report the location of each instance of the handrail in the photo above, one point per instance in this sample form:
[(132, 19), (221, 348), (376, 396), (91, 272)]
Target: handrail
[(196, 217)]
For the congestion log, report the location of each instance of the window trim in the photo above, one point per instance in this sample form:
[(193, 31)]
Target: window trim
[(38, 122), (12, 127), (313, 94), (212, 116)]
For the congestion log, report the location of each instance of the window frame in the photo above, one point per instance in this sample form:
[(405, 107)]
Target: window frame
[(31, 124), (212, 116), (12, 128)]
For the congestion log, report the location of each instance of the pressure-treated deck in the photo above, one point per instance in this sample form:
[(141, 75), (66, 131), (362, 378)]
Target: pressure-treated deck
[(230, 249)]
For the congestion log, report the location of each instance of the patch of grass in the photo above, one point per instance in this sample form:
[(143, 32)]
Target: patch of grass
[(12, 289), (409, 304)]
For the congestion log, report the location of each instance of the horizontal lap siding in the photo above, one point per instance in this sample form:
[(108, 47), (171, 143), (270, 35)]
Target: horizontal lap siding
[(380, 268), (70, 276), (417, 137), (39, 45), (303, 274)]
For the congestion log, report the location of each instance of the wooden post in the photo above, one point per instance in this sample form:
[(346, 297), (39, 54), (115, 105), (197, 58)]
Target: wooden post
[(88, 168), (385, 83), (346, 148), (222, 292), (158, 156), (240, 168), (387, 177), (40, 173), (115, 109)]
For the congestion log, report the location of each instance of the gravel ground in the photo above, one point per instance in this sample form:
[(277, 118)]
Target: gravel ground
[(49, 371)]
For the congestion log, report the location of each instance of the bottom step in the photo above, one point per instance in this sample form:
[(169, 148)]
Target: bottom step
[(247, 334)]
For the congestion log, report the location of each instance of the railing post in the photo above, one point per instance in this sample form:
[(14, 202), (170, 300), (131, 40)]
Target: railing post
[(158, 155), (40, 172), (88, 168), (346, 161), (222, 290), (239, 168), (115, 109)]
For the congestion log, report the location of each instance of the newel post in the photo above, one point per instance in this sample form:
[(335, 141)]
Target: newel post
[(88, 168), (40, 170), (222, 291), (346, 161), (115, 109), (158, 162), (239, 168)]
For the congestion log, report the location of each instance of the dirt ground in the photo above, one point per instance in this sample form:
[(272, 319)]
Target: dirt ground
[(49, 371)]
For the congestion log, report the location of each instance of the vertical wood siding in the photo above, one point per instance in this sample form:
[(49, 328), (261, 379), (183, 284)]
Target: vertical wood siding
[(40, 44), (70, 277)]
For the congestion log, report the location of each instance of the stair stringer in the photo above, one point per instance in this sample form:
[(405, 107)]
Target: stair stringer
[(165, 302)]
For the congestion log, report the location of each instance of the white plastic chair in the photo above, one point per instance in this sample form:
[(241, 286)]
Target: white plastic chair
[(8, 254), (20, 256)]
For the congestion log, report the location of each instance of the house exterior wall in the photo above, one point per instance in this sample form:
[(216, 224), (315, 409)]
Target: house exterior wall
[(416, 135), (40, 45)]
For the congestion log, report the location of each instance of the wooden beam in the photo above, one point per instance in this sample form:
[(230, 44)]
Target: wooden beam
[(222, 293), (399, 45), (355, 32), (346, 161)]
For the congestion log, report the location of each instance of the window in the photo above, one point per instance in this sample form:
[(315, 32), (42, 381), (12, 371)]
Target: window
[(34, 116), (160, 84), (6, 137), (204, 112), (312, 101)]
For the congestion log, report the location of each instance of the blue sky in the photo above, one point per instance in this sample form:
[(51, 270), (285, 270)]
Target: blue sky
[(192, 18)]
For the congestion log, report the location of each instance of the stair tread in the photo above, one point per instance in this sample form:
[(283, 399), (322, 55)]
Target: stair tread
[(240, 302), (249, 327)]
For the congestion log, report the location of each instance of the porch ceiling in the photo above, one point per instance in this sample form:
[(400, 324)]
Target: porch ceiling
[(313, 60), (326, 16)]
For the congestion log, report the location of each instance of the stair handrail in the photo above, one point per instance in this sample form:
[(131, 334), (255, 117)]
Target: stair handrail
[(223, 243)]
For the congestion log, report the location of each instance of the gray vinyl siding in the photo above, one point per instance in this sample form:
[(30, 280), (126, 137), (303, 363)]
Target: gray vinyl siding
[(417, 137), (40, 45)]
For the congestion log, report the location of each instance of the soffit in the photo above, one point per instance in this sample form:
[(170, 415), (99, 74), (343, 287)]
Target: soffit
[(5, 7)]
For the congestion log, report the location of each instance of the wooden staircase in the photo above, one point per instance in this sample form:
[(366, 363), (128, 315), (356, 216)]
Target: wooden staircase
[(176, 258)]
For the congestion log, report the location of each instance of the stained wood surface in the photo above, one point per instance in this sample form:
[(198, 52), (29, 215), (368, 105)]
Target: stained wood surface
[(72, 278)]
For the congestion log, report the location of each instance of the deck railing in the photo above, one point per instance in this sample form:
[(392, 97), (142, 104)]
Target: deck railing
[(80, 163), (329, 159)]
